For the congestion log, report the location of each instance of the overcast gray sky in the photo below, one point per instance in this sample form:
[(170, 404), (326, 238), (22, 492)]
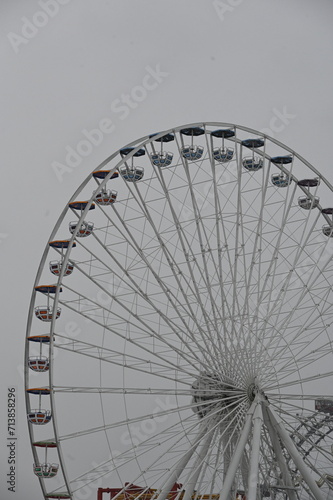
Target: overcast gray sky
[(70, 65)]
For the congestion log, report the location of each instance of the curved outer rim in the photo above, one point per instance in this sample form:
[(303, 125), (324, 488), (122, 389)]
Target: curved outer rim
[(137, 144)]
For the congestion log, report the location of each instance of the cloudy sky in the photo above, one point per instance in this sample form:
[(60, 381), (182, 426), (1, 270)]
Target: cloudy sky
[(128, 68)]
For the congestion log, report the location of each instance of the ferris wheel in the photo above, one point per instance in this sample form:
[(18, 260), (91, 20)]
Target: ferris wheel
[(180, 325)]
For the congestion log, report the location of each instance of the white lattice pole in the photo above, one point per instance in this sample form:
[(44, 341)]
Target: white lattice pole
[(198, 466), (286, 476), (237, 456), (180, 466), (254, 458), (294, 453)]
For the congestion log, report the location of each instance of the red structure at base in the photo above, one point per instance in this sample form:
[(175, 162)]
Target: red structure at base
[(131, 491)]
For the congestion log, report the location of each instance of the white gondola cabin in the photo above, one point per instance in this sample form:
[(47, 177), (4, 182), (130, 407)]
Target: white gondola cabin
[(192, 152), (131, 173), (45, 470), (45, 313), (281, 180), (134, 174), (85, 229), (106, 197), (39, 363), (39, 417), (308, 202), (252, 163), (56, 266), (161, 159), (223, 155), (328, 228)]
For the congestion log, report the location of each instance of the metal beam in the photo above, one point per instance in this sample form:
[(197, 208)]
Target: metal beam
[(294, 453), (254, 458), (238, 453)]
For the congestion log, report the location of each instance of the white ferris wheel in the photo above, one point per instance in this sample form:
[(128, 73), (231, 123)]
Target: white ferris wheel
[(180, 328)]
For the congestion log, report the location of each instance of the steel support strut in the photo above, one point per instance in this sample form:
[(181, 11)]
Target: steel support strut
[(179, 467), (238, 453), (286, 476), (294, 453), (198, 465), (255, 448)]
